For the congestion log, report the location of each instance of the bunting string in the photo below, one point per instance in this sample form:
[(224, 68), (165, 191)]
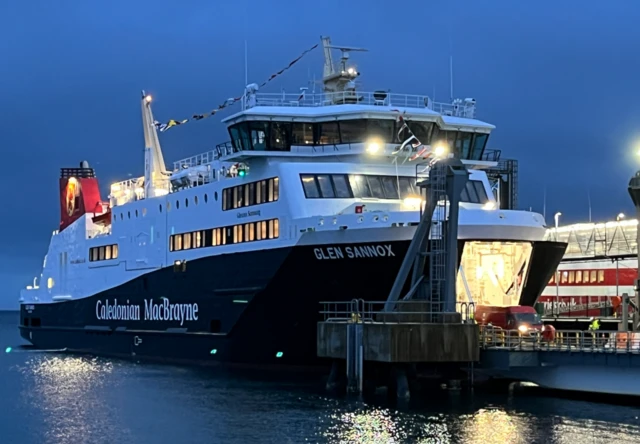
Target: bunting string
[(171, 123)]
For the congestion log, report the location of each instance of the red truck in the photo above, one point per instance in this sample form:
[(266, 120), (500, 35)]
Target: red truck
[(521, 318)]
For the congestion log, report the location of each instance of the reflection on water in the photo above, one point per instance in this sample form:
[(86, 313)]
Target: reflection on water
[(493, 425), (68, 391), (59, 399)]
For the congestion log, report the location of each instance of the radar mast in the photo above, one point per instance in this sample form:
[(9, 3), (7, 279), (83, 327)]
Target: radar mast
[(339, 82)]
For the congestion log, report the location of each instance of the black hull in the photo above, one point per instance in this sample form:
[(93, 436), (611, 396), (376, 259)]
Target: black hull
[(254, 308)]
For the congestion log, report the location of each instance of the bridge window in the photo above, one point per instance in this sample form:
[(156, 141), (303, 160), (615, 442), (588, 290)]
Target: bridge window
[(572, 277), (600, 276), (259, 131), (103, 253), (329, 133), (579, 277), (463, 145), (479, 142), (280, 136), (422, 130), (592, 276), (353, 131), (380, 129), (302, 133)]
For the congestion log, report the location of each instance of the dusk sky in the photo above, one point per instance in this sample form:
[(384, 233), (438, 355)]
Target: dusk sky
[(558, 79)]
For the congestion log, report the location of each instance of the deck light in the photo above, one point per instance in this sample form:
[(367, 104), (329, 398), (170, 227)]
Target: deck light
[(373, 146), (489, 205), (440, 149), (620, 217)]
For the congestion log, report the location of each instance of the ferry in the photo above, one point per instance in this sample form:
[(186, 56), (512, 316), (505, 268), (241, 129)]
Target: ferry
[(226, 256), (599, 266)]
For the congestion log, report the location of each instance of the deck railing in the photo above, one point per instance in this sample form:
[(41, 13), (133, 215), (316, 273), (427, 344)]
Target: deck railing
[(561, 341), (459, 108), (359, 310)]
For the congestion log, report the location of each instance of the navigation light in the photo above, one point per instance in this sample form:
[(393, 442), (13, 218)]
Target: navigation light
[(8, 350), (279, 355)]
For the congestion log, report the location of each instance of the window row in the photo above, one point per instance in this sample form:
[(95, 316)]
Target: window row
[(103, 253), (332, 186), (253, 193), (143, 211), (579, 277), (233, 234), (280, 136)]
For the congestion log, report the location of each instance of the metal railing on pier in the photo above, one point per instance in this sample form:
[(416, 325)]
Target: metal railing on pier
[(415, 311), (562, 341)]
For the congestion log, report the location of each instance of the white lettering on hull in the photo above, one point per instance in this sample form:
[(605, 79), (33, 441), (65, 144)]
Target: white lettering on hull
[(164, 311), (352, 252)]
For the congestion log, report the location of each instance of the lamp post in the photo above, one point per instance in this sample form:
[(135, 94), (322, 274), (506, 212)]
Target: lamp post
[(634, 192), (556, 218)]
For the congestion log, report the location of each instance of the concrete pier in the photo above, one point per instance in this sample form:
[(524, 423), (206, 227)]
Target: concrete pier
[(403, 342)]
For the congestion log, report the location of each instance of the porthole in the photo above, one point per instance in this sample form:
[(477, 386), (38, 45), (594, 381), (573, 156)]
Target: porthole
[(177, 204), (121, 216), (168, 206), (186, 203), (144, 212), (160, 207), (136, 213), (195, 200), (215, 195), (129, 214), (206, 198)]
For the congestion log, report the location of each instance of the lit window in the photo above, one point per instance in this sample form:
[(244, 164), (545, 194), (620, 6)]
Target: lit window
[(101, 254), (578, 277), (186, 241), (276, 228), (572, 277), (50, 283), (263, 228), (592, 276), (198, 239), (600, 276), (276, 188), (177, 243), (564, 277), (107, 252), (114, 251)]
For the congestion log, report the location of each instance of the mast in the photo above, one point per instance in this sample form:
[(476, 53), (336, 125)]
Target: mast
[(339, 83), (154, 166)]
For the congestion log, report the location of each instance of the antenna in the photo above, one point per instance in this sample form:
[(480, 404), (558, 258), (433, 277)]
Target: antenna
[(544, 205), (589, 198), (451, 75)]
